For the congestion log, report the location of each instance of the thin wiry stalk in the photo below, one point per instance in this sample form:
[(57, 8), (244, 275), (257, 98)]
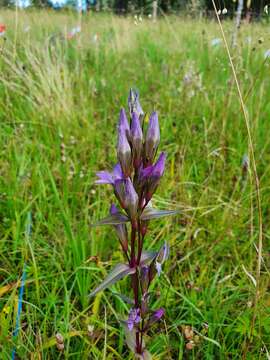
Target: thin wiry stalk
[(254, 171)]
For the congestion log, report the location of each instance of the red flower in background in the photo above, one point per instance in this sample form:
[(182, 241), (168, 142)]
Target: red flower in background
[(2, 29)]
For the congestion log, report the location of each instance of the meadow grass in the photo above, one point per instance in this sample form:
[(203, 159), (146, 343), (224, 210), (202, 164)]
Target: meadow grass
[(59, 103)]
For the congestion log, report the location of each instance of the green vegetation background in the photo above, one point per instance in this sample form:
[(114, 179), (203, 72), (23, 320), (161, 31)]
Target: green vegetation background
[(59, 105)]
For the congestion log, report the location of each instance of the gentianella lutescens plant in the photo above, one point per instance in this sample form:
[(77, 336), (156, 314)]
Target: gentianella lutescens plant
[(135, 179)]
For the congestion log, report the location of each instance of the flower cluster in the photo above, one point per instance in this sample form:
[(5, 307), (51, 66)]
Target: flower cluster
[(135, 179)]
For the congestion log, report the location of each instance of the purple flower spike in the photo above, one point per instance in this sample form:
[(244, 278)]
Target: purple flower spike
[(121, 229), (152, 138), (134, 103), (124, 152), (123, 123), (136, 139), (133, 318)]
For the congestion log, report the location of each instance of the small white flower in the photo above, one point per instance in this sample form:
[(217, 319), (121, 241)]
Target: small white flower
[(224, 11), (219, 12), (216, 42)]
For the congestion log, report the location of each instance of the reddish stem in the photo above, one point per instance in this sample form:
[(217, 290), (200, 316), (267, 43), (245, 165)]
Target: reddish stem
[(135, 283)]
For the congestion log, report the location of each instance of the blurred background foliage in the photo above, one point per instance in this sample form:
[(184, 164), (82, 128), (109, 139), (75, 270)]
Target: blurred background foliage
[(202, 7)]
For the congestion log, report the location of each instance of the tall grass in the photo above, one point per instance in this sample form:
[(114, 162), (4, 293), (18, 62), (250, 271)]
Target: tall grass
[(59, 100)]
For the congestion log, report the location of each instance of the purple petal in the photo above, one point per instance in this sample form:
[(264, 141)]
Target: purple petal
[(133, 318), (136, 130), (105, 177), (131, 198), (117, 172), (159, 313), (159, 166), (114, 210), (123, 122), (153, 131), (146, 172), (124, 152)]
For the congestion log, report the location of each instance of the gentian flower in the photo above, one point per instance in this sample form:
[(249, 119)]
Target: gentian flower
[(152, 138), (136, 140), (121, 229), (135, 179), (127, 196), (159, 313), (155, 316), (131, 199), (105, 177), (124, 151), (123, 123), (151, 176), (133, 318)]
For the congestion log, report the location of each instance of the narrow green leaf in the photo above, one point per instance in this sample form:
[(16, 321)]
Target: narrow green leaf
[(151, 213), (130, 336), (147, 256), (125, 298), (120, 271), (115, 219)]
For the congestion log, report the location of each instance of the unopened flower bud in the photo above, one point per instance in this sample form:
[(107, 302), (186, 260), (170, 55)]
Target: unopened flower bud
[(136, 139), (119, 189), (131, 199), (162, 257), (121, 229), (124, 152), (127, 196), (156, 316), (144, 278), (152, 175), (134, 103), (152, 138), (123, 123)]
